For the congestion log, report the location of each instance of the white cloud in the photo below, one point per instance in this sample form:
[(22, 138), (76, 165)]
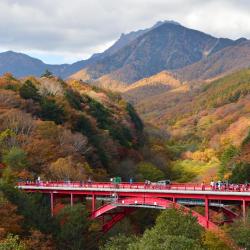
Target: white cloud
[(70, 30)]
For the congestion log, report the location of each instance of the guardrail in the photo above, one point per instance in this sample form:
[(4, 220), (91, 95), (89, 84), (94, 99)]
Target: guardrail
[(138, 185)]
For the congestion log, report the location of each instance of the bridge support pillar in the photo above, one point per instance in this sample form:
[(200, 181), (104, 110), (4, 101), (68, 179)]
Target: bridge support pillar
[(207, 211), (71, 200), (52, 203), (244, 210), (93, 202)]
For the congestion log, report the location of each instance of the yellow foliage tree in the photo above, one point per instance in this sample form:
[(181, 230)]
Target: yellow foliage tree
[(67, 169)]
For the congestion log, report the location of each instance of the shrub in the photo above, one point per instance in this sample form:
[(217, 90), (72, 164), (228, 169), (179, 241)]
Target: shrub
[(240, 232), (47, 74), (34, 208), (134, 117), (148, 171), (101, 113), (83, 125), (13, 87), (66, 168), (15, 158), (122, 135), (120, 242), (74, 99), (75, 231), (226, 157), (17, 121), (29, 91), (12, 243), (247, 139), (50, 110), (241, 173)]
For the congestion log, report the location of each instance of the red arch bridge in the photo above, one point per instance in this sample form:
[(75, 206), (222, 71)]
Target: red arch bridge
[(112, 202)]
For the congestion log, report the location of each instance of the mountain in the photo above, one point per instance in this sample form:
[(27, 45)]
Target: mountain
[(107, 81), (168, 46), (22, 65), (227, 60), (125, 39)]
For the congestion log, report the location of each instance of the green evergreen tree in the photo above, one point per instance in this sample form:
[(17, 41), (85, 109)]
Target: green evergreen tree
[(51, 111), (29, 91), (75, 233), (47, 74)]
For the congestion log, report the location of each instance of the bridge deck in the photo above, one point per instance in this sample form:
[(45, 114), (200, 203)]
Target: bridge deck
[(107, 188)]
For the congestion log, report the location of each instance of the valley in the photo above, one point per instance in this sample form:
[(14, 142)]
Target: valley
[(162, 103)]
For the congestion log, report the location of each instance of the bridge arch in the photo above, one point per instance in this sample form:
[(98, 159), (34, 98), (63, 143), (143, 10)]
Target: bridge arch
[(137, 202)]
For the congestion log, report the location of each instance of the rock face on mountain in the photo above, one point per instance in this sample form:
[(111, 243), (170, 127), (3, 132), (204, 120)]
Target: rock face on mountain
[(125, 39), (224, 61)]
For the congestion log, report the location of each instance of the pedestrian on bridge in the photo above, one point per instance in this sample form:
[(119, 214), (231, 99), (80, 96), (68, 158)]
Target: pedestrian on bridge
[(130, 180), (89, 181), (203, 186), (212, 184)]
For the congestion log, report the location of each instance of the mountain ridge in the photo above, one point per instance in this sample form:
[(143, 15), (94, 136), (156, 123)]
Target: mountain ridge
[(62, 70), (162, 48), (136, 55)]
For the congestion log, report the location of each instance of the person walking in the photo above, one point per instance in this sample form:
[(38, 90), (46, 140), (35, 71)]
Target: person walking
[(203, 186), (212, 184)]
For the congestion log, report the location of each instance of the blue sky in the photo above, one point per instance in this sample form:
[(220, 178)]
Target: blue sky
[(64, 31)]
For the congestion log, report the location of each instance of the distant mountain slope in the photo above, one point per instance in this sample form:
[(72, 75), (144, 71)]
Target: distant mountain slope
[(169, 46), (224, 61), (22, 65), (125, 39), (216, 113), (151, 86)]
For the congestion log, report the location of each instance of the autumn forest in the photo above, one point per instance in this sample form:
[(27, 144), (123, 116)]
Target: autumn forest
[(165, 103)]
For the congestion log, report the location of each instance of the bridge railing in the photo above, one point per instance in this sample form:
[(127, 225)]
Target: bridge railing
[(136, 185)]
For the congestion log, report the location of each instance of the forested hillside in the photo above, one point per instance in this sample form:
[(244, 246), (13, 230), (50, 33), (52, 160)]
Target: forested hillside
[(150, 87), (59, 130), (65, 125), (208, 120)]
